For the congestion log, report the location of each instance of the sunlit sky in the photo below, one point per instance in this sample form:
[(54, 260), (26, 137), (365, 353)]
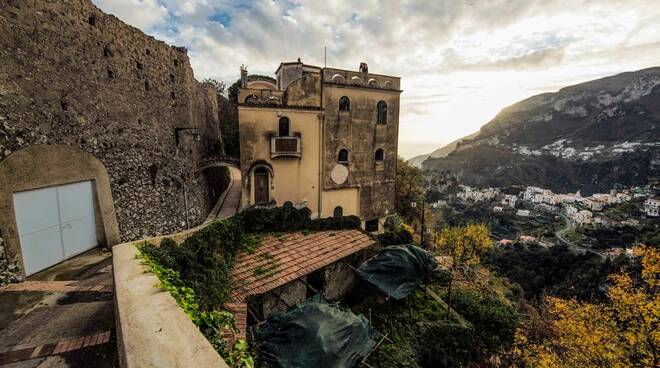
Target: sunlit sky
[(461, 61)]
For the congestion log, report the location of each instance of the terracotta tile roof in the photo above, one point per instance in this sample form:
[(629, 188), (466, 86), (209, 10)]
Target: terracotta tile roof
[(280, 260)]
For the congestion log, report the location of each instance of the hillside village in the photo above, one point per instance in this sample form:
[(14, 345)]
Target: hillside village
[(633, 208), (580, 210)]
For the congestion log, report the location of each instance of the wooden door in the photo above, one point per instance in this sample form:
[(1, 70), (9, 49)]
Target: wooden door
[(261, 187)]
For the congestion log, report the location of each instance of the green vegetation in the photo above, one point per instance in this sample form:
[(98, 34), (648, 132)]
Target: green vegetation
[(396, 232), (228, 116), (465, 245), (556, 271), (573, 236), (197, 271), (609, 237), (410, 186), (204, 260), (269, 268), (211, 323), (422, 336), (288, 219), (503, 225)]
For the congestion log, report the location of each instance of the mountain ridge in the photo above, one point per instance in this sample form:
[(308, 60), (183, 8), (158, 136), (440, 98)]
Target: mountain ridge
[(601, 124)]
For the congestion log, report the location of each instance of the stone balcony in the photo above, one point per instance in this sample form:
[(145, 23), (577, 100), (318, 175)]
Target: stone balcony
[(285, 146)]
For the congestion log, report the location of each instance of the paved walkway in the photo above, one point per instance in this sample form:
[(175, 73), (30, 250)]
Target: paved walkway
[(61, 317), (230, 201)]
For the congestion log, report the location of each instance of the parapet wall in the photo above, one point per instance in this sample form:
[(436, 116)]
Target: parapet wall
[(72, 75)]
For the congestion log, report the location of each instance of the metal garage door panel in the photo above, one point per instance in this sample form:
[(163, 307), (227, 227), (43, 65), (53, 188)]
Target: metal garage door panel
[(41, 249), (77, 217), (37, 218), (36, 210), (78, 236), (76, 201)]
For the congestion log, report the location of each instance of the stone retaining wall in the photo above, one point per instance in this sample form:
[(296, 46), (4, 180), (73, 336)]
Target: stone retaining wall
[(9, 271), (72, 75)]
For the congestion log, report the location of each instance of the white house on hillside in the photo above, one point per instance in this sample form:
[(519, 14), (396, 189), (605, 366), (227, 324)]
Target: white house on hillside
[(651, 207)]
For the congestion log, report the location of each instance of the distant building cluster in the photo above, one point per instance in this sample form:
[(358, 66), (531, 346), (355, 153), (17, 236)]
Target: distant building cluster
[(469, 194), (579, 210), (651, 207)]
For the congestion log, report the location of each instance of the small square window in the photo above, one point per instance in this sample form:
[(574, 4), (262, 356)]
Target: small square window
[(371, 225)]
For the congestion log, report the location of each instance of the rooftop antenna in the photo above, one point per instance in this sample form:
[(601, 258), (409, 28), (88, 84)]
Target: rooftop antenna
[(325, 56)]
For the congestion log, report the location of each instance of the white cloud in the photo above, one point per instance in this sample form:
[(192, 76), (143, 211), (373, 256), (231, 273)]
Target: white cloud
[(460, 61), (143, 14)]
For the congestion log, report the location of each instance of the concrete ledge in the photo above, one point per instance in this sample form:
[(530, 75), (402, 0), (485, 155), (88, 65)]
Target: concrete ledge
[(152, 330)]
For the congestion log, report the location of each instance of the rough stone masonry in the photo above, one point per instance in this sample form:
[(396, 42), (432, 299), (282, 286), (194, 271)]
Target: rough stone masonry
[(72, 75)]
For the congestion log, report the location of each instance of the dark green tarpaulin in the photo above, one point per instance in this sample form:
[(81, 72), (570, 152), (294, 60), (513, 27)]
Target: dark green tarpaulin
[(398, 269), (315, 334)]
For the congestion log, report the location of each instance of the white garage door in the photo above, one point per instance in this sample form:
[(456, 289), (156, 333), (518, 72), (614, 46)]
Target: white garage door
[(55, 223)]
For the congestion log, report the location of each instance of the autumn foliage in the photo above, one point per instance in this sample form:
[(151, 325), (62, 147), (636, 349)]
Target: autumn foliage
[(622, 332)]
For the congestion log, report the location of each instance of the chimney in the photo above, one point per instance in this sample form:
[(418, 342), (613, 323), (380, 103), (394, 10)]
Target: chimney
[(244, 75), (364, 68)]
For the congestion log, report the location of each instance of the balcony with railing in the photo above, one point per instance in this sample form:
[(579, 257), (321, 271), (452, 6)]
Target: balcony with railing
[(285, 146)]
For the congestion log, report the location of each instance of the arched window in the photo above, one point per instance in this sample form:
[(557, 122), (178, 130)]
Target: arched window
[(382, 112), (344, 104), (342, 158), (284, 126), (380, 154), (338, 212)]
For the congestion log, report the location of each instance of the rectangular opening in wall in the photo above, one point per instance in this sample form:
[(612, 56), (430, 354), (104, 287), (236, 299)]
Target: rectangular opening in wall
[(371, 225)]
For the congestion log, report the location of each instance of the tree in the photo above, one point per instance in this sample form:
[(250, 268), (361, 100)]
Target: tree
[(410, 184), (622, 332), (465, 245), (219, 86)]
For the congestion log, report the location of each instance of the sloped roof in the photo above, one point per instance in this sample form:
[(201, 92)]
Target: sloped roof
[(282, 259)]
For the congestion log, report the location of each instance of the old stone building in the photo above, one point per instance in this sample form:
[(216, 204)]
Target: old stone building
[(95, 113), (321, 137)]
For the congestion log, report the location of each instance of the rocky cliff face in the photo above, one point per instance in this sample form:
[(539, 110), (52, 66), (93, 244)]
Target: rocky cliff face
[(72, 75), (591, 136)]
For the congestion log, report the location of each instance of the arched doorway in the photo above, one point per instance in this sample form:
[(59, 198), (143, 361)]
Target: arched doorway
[(55, 202), (261, 185)]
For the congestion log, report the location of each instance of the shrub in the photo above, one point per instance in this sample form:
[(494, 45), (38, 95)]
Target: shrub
[(396, 232), (289, 218), (494, 321), (203, 260), (443, 344), (396, 237), (285, 218)]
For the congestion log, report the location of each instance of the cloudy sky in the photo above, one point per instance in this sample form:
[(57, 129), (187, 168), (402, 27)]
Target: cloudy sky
[(461, 61)]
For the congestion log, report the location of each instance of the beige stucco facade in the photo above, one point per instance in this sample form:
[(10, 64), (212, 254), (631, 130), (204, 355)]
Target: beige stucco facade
[(294, 179), (41, 166), (348, 199), (314, 175)]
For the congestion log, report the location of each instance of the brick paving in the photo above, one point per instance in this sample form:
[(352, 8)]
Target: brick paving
[(55, 348), (61, 317), (56, 286)]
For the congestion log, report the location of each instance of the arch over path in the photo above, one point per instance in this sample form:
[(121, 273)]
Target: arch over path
[(218, 161)]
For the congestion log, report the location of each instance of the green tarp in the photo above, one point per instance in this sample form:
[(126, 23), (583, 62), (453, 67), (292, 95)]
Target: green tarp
[(315, 334), (398, 270)]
